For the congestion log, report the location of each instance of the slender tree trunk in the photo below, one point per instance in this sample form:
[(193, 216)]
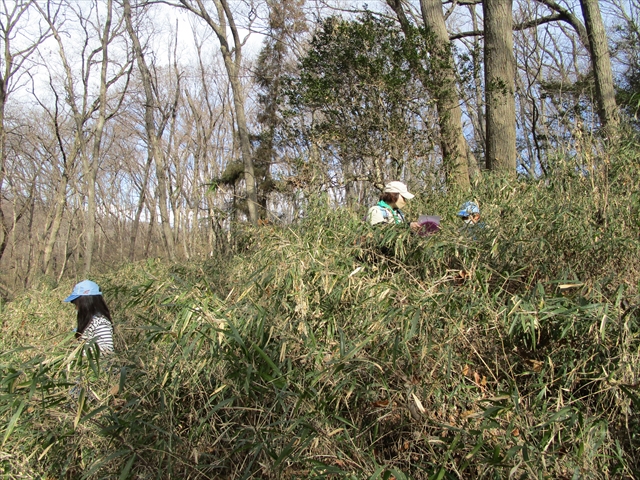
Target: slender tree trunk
[(32, 257), (91, 164), (175, 185), (140, 208), (60, 203), (478, 111), (60, 199), (499, 86), (152, 221), (65, 252), (4, 230), (163, 196), (601, 64)]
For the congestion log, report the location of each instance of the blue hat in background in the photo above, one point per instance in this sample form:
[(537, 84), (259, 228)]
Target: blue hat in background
[(468, 209), (86, 287)]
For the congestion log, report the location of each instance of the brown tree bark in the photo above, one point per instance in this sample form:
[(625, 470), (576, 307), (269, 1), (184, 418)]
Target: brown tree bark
[(453, 143), (499, 64)]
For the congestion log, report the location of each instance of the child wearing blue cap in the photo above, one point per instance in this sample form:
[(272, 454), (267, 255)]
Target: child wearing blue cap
[(470, 213), (94, 319)]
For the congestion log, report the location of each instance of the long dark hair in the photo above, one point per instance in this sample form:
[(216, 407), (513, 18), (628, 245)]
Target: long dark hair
[(88, 307)]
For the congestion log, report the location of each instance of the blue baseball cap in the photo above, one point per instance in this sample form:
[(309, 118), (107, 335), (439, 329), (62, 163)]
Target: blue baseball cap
[(468, 209), (85, 287)]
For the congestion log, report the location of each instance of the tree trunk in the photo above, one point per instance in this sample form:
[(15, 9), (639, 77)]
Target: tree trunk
[(65, 253), (499, 86), (245, 145), (477, 113), (152, 221), (91, 165), (60, 202), (141, 201), (453, 143), (601, 64), (441, 84), (4, 230)]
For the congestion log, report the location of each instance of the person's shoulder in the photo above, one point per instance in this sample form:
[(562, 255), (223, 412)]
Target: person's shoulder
[(375, 215), (100, 320), (377, 209)]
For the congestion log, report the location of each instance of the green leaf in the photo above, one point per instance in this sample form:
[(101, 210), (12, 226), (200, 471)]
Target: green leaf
[(124, 474), (13, 421)]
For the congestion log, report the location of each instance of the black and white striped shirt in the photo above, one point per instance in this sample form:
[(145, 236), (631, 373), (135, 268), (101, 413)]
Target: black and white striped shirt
[(101, 331)]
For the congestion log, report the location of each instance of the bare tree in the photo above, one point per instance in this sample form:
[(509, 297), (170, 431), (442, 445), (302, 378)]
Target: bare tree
[(222, 22), (90, 115), (17, 48), (208, 120), (154, 132), (59, 199)]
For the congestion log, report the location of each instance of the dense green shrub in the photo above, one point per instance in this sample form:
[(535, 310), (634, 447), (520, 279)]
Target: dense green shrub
[(333, 349)]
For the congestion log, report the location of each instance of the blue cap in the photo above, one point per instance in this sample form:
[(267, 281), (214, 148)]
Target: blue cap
[(468, 209), (86, 287)]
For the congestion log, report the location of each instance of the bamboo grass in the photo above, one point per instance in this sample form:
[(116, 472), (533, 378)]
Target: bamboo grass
[(330, 349)]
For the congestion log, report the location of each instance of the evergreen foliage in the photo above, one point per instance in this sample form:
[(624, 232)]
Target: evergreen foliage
[(356, 81), (331, 349)]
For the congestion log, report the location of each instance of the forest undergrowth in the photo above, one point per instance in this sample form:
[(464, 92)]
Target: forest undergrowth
[(330, 349)]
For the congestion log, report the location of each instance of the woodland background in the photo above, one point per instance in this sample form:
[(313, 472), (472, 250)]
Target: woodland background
[(127, 134), (215, 185)]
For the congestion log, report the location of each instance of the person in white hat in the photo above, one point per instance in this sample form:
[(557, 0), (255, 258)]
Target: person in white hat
[(389, 209), (94, 319)]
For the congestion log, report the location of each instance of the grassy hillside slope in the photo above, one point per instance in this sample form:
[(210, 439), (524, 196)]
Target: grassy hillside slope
[(329, 349)]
